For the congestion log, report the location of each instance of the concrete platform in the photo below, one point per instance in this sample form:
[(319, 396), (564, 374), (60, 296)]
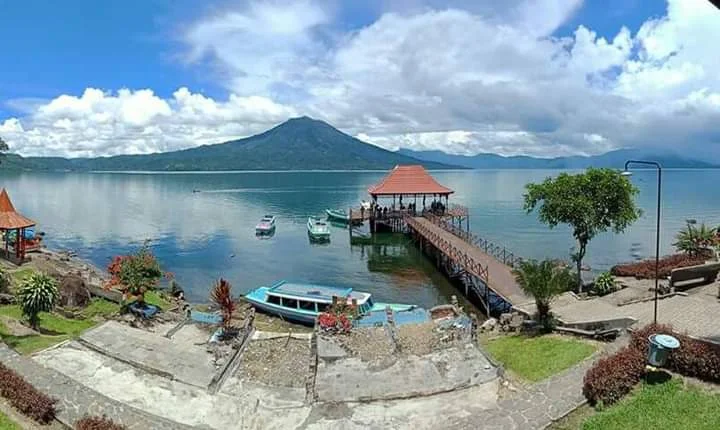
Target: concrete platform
[(175, 359), (349, 379), (167, 378)]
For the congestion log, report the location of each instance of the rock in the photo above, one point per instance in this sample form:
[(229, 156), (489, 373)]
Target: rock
[(7, 299), (73, 292), (489, 324), (505, 318)]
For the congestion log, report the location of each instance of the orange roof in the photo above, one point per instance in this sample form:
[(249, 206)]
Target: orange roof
[(408, 180), (9, 218)]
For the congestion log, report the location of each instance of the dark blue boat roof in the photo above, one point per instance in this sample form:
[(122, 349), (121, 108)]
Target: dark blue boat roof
[(309, 290)]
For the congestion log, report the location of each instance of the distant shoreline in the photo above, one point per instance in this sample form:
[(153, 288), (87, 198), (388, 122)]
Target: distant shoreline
[(220, 172)]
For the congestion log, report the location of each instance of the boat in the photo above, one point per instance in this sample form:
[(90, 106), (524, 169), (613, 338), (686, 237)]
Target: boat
[(337, 215), (303, 303), (266, 225), (317, 229)]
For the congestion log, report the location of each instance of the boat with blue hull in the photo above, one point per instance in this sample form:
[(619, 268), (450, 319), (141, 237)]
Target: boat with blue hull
[(304, 302)]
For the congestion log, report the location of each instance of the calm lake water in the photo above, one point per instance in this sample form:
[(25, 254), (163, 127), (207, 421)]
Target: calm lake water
[(210, 234)]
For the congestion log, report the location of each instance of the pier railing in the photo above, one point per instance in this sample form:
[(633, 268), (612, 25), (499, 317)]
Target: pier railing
[(500, 253), (466, 261)]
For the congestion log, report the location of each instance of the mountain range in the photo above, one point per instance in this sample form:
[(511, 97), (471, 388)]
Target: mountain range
[(299, 143), (614, 159), (308, 144)]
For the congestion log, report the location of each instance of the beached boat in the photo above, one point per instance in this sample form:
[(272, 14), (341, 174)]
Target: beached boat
[(318, 229), (303, 302), (266, 225), (337, 215)]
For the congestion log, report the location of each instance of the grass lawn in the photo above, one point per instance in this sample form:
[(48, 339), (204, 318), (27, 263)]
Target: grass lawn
[(7, 424), (56, 328), (662, 406), (19, 275), (536, 358), (154, 298), (100, 307)]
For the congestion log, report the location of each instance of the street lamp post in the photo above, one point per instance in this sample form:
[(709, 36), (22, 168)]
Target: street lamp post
[(657, 229)]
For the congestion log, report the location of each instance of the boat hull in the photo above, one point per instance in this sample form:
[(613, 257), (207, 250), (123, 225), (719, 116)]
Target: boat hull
[(337, 216), (264, 230), (283, 313)]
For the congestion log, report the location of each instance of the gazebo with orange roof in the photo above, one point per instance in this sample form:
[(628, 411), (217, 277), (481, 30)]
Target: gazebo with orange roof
[(10, 220), (409, 181)]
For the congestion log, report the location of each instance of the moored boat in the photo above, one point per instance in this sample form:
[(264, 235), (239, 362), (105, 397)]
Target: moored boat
[(304, 302), (317, 229), (337, 215), (266, 225)]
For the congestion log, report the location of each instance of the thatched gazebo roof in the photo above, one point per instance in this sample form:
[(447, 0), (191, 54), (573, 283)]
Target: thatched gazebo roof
[(9, 218)]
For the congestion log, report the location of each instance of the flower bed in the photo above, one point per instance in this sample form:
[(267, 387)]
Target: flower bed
[(613, 377), (25, 398), (646, 269), (97, 423), (694, 358)]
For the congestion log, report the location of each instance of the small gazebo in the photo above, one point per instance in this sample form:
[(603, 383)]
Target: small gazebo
[(10, 220), (410, 181)]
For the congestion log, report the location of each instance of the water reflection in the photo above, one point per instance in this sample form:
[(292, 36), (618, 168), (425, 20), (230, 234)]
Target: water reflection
[(203, 235)]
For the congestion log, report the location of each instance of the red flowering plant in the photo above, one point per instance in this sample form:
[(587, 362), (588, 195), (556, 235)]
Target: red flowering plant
[(135, 274), (338, 318)]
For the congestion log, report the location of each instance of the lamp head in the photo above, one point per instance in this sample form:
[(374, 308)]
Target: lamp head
[(626, 173)]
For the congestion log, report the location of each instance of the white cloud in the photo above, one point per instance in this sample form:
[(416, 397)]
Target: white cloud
[(133, 122), (462, 76)]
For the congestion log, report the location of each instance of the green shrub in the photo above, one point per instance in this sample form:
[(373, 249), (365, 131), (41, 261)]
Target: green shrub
[(38, 293), (605, 284)]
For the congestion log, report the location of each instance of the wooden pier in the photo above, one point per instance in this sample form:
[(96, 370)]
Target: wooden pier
[(442, 231), (490, 280)]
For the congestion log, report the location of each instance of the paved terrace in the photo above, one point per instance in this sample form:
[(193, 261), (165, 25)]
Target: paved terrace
[(474, 260)]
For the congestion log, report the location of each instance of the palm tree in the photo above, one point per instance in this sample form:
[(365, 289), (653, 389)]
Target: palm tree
[(543, 280), (38, 293), (694, 240)]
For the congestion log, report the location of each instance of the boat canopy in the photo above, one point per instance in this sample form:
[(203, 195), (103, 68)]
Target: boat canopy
[(316, 293)]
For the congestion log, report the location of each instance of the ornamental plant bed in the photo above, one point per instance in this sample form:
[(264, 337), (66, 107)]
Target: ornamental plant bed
[(646, 269), (694, 358), (26, 398), (98, 423), (613, 377)]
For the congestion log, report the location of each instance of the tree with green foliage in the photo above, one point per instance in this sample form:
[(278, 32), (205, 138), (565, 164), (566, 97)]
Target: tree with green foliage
[(543, 280), (694, 240), (37, 293), (591, 202)]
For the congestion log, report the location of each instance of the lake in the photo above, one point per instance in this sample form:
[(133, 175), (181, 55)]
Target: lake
[(210, 234)]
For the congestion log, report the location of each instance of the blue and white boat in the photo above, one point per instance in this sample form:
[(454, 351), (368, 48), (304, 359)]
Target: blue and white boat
[(304, 302), (318, 230)]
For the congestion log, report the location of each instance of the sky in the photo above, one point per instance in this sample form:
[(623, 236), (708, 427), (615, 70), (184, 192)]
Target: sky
[(532, 77)]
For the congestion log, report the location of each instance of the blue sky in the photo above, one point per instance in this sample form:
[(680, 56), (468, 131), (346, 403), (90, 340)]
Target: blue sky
[(424, 74)]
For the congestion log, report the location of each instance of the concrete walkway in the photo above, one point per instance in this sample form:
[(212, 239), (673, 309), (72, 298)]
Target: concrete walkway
[(75, 400), (694, 314)]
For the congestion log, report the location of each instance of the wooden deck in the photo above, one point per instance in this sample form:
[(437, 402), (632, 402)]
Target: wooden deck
[(496, 275)]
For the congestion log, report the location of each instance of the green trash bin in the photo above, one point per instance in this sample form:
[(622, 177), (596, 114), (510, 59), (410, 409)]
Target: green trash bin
[(660, 347)]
